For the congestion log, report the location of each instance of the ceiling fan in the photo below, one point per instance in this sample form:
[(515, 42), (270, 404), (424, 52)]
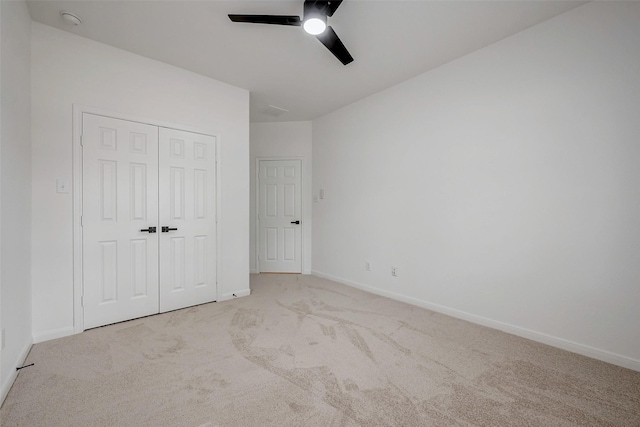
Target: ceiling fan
[(314, 22)]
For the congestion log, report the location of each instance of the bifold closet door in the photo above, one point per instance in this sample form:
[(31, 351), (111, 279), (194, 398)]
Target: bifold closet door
[(187, 219), (119, 211)]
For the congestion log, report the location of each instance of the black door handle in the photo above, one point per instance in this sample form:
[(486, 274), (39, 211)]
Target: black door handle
[(149, 230), (166, 229), (295, 222)]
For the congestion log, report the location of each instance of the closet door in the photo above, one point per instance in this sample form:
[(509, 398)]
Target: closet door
[(119, 213), (187, 219)]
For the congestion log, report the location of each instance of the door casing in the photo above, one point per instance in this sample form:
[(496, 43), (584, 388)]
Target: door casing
[(78, 111)]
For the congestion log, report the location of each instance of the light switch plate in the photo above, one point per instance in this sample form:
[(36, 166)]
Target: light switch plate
[(62, 186)]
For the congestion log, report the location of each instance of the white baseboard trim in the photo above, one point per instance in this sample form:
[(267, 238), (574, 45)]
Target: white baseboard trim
[(53, 334), (236, 294), (8, 383), (584, 350)]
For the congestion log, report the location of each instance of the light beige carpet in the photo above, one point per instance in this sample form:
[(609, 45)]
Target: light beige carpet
[(303, 351)]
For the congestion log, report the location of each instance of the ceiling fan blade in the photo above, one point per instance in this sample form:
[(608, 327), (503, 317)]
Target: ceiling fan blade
[(268, 19), (333, 5), (330, 39), (322, 6)]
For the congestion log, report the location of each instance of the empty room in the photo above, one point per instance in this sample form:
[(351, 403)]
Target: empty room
[(319, 213)]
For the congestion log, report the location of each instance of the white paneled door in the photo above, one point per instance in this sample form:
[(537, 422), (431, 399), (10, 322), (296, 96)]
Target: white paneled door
[(279, 216), (148, 219), (120, 211), (187, 218)]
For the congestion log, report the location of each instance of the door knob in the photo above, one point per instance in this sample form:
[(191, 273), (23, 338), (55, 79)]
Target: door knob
[(149, 230), (166, 229), (295, 222)]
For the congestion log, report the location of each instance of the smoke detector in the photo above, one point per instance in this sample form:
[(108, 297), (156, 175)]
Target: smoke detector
[(70, 18)]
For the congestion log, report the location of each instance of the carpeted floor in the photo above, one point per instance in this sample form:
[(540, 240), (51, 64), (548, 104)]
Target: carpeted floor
[(303, 351)]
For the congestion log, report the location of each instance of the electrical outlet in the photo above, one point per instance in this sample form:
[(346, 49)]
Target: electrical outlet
[(394, 271), (4, 338), (367, 265)]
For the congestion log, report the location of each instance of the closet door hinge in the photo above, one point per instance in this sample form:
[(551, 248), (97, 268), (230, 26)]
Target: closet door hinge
[(81, 221), (82, 140)]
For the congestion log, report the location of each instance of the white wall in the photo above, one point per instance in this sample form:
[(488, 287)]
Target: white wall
[(275, 140), (505, 185), (67, 69), (15, 191)]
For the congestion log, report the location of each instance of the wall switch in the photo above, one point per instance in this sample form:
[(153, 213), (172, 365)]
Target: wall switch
[(315, 199), (394, 271), (367, 265), (62, 186), (4, 338), (321, 194)]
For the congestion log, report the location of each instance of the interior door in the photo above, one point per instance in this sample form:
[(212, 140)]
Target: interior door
[(119, 213), (187, 219), (279, 216)]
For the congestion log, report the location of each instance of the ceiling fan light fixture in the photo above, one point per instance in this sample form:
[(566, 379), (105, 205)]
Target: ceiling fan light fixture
[(314, 25), (314, 22)]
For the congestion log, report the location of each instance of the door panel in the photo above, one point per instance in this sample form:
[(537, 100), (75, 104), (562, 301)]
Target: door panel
[(279, 205), (187, 180), (120, 198)]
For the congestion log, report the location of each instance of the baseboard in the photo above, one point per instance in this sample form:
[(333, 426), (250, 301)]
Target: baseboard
[(236, 294), (53, 334), (584, 350), (254, 271), (13, 375)]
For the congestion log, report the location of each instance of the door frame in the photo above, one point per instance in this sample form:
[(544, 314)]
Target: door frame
[(257, 209), (76, 190)]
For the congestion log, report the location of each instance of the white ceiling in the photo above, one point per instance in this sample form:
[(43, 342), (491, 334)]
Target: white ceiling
[(391, 41)]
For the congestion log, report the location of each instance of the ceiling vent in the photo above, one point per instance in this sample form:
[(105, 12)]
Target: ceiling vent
[(274, 111)]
